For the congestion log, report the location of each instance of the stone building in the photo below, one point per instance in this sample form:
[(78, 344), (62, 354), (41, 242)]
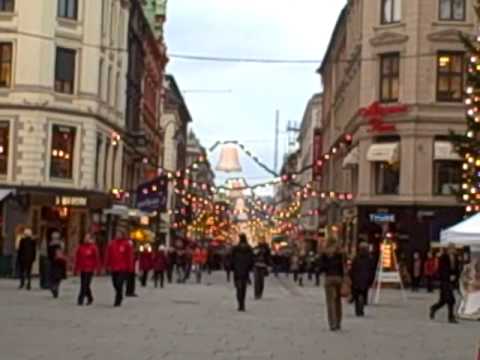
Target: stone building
[(393, 76), (62, 114)]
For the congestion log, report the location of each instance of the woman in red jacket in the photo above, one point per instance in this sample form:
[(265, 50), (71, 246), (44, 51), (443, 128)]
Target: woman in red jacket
[(430, 270), (160, 263), (145, 263), (87, 261)]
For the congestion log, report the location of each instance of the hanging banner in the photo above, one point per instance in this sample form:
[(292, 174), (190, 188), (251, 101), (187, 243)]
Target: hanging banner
[(152, 196)]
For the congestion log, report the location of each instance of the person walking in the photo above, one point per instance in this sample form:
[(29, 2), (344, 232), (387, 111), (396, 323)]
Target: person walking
[(118, 262), (87, 261), (199, 260), (447, 276), (26, 255), (160, 264), (333, 267), (131, 282), (318, 269), (360, 276), (416, 271), (171, 263), (227, 263), (145, 264), (262, 261), (57, 263), (242, 264), (430, 270), (294, 265), (302, 264)]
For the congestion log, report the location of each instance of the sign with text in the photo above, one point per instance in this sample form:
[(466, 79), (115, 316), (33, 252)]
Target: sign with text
[(382, 218), (152, 196), (71, 201)]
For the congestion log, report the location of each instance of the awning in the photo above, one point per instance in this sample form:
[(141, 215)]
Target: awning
[(126, 212), (4, 193), (444, 150), (388, 152), (352, 158)]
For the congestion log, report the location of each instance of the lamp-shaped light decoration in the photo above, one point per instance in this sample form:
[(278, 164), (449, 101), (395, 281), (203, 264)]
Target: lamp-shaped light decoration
[(229, 160)]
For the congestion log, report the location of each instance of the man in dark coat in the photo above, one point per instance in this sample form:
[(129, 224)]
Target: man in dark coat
[(360, 274), (447, 272), (27, 252), (242, 264), (261, 262)]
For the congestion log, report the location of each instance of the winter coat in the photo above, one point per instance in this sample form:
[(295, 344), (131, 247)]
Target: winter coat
[(262, 255), (199, 257), (430, 267), (333, 265), (417, 268), (160, 261), (27, 251), (120, 257), (242, 261), (145, 261), (87, 258), (445, 269), (58, 261), (360, 272)]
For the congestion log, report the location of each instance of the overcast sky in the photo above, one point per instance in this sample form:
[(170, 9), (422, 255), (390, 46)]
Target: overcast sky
[(250, 29)]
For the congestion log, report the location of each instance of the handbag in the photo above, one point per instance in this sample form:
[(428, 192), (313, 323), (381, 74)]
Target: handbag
[(346, 288)]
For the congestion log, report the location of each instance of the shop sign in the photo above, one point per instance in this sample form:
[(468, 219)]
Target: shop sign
[(152, 196), (382, 218), (71, 201)]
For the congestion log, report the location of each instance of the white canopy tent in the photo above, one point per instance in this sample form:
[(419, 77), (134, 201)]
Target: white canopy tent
[(466, 233)]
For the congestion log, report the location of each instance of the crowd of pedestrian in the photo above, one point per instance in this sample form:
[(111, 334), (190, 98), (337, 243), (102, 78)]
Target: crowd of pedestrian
[(344, 277)]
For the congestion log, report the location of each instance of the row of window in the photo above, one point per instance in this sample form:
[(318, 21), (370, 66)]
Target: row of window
[(65, 8), (62, 153), (448, 10), (450, 76)]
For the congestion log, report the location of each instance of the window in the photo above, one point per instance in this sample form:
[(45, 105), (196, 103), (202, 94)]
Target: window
[(117, 91), (4, 143), (450, 76), (5, 65), (63, 144), (7, 5), (97, 159), (387, 178), (105, 164), (65, 70), (114, 164), (391, 11), (109, 85), (68, 9), (452, 10), (389, 77), (447, 177), (100, 80)]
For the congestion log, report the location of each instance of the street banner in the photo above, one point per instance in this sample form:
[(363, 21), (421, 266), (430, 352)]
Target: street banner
[(152, 196)]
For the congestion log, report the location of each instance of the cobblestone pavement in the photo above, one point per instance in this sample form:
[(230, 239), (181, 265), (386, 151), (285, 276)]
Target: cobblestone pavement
[(200, 322)]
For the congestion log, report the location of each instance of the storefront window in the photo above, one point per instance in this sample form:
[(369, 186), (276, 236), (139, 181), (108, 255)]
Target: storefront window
[(63, 144), (4, 143), (447, 177), (387, 178)]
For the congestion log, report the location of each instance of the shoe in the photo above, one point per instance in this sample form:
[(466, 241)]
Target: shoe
[(90, 302), (131, 295), (241, 309)]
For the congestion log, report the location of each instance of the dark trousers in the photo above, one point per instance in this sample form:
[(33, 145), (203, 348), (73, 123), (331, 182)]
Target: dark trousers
[(118, 280), (198, 273), (25, 273), (229, 272), (85, 287), (144, 278), (159, 276), (170, 274), (429, 281), (447, 297), (130, 291), (241, 286), (333, 285), (317, 278), (259, 282), (360, 300), (416, 283)]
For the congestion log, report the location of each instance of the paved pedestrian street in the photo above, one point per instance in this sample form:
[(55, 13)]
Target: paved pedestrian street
[(200, 322)]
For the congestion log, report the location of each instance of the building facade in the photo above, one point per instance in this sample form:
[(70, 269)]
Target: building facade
[(393, 77), (62, 114)]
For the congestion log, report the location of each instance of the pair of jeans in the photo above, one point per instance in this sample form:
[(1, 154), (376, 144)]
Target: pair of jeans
[(144, 278), (360, 300), (85, 288), (241, 287), (197, 269), (131, 279), (25, 272), (118, 281), (259, 281), (333, 286), (159, 276), (447, 297)]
